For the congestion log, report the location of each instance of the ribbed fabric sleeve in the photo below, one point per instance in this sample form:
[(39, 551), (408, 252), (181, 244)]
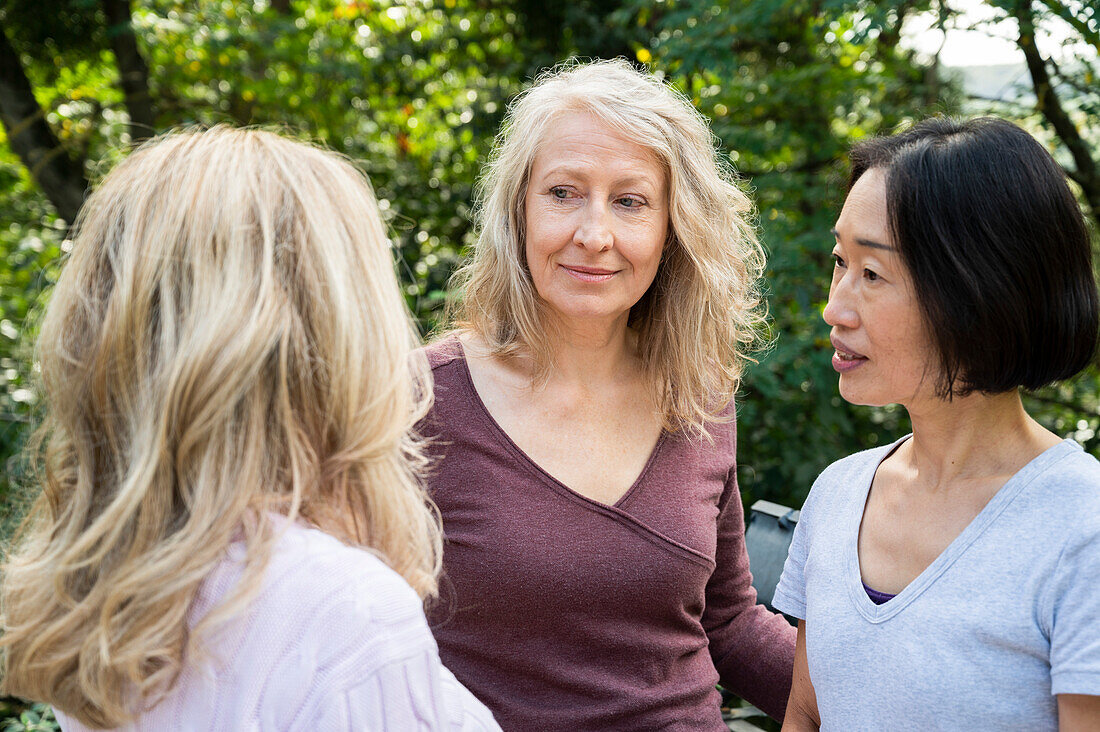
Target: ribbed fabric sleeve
[(750, 646), (335, 640)]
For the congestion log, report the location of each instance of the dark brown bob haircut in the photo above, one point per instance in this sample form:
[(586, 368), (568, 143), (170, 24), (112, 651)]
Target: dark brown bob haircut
[(997, 248)]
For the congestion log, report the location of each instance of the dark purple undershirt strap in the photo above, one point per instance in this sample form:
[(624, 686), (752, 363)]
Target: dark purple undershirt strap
[(877, 597)]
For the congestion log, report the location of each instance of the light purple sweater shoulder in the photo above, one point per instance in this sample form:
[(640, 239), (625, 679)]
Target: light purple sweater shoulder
[(335, 640)]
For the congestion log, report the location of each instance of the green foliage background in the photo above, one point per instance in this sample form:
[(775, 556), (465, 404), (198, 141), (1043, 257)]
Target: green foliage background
[(414, 92)]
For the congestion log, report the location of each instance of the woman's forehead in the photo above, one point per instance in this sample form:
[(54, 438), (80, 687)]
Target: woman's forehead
[(864, 217), (580, 143)]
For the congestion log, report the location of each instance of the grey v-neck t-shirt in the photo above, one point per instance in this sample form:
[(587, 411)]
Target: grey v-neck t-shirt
[(1004, 619)]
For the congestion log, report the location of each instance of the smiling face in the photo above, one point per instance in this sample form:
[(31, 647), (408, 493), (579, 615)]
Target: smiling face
[(597, 219), (883, 352)]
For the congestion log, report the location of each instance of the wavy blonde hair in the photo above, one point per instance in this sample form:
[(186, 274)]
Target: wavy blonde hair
[(227, 342), (703, 312)]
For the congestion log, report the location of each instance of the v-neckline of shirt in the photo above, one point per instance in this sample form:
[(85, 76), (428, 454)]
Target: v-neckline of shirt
[(978, 525), (533, 466)]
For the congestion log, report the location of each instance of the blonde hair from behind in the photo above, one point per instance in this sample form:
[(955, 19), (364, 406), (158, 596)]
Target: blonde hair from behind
[(226, 342), (704, 311)]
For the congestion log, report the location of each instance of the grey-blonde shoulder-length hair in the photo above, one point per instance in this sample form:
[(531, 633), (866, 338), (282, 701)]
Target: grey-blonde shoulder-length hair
[(703, 312), (227, 343)]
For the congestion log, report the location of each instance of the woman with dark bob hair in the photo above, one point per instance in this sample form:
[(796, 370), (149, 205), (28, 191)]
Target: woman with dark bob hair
[(948, 581)]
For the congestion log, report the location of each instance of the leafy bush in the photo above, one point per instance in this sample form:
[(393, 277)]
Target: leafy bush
[(17, 715)]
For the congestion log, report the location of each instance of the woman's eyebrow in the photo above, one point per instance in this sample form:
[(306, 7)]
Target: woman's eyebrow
[(864, 242)]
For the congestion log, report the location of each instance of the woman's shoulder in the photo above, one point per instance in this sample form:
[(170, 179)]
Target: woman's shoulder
[(1062, 491), (846, 477), (308, 574), (1069, 464), (327, 619), (319, 603), (444, 350), (306, 559), (452, 385), (851, 467), (363, 614)]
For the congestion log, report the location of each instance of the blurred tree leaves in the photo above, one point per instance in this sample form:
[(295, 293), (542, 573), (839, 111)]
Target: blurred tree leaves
[(414, 92), (404, 90)]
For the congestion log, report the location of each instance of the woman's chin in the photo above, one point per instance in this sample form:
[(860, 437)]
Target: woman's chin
[(588, 315), (861, 397)]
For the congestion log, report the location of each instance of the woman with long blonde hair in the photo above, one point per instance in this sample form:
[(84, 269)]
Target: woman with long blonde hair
[(232, 532), (595, 572)]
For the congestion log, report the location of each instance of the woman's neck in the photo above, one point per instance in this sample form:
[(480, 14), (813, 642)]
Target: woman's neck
[(591, 352), (972, 438)]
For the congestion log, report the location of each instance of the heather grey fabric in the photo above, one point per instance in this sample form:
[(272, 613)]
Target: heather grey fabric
[(1007, 617)]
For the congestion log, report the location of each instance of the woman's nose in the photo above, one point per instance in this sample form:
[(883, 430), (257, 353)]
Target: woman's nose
[(840, 310), (594, 230)]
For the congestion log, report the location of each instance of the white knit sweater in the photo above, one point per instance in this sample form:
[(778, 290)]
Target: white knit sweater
[(336, 640)]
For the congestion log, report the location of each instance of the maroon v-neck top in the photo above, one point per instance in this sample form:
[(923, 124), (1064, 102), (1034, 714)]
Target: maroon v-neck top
[(563, 613)]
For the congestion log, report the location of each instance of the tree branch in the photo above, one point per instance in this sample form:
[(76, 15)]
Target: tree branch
[(59, 176), (889, 36), (133, 72), (1087, 173), (1058, 8)]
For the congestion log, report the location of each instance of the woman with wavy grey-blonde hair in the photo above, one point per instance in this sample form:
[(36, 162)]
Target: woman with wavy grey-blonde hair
[(232, 532), (596, 574)]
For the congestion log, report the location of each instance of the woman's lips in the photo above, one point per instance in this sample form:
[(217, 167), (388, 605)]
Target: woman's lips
[(589, 274), (844, 358)]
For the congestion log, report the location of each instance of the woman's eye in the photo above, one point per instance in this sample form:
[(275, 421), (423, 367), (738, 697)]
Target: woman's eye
[(871, 275), (838, 261), (631, 202), (559, 192)]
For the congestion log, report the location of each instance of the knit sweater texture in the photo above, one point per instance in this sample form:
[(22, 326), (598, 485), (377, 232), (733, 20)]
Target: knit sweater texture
[(563, 613), (335, 640)]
